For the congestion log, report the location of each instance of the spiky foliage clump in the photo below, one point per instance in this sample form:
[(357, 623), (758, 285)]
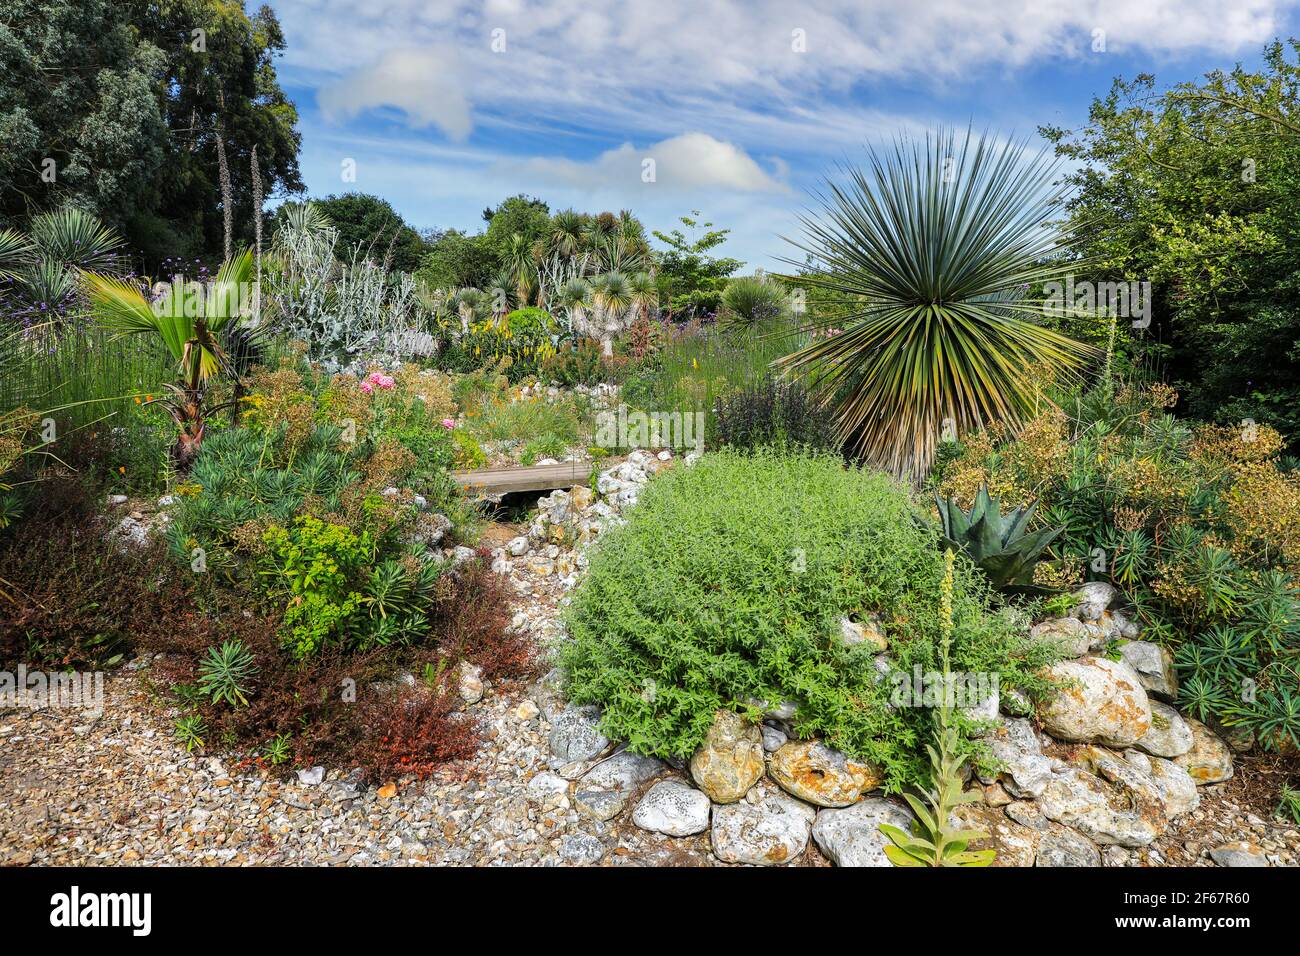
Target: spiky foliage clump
[(1002, 547), (752, 304), (926, 258)]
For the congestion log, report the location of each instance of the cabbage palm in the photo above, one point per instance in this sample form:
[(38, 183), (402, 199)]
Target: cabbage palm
[(613, 301), (929, 256), (191, 326)]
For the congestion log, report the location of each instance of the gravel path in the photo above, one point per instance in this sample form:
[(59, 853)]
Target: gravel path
[(116, 789)]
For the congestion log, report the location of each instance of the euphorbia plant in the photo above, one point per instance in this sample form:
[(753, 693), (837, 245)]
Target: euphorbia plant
[(190, 320)]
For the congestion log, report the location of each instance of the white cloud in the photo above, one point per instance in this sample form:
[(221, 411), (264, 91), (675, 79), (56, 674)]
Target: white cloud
[(679, 164), (423, 83), (707, 57)]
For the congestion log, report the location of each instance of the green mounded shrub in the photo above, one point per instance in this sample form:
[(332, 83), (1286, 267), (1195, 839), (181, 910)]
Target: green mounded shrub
[(726, 587)]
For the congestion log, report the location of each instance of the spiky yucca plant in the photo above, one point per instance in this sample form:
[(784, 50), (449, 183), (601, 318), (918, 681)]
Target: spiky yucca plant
[(928, 256)]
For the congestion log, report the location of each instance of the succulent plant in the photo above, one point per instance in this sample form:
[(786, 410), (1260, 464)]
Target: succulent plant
[(1002, 547)]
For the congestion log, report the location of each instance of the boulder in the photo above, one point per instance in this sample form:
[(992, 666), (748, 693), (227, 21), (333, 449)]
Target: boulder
[(868, 632), (673, 808), (1061, 846), (1069, 634), (1154, 666), (1093, 600), (851, 836), (600, 804), (623, 772), (1105, 812), (1100, 701), (1169, 736), (1209, 760), (1014, 744), (1176, 786), (1238, 853), (768, 832), (811, 771), (1014, 843), (575, 735), (730, 760)]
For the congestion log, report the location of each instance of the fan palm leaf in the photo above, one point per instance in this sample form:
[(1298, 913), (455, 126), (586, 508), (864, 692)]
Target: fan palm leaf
[(929, 255)]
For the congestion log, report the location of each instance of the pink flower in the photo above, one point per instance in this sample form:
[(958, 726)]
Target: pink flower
[(367, 387), (448, 424), (383, 381)]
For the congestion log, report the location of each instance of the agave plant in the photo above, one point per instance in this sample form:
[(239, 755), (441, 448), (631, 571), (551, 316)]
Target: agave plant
[(928, 257), (1003, 548), (191, 325)]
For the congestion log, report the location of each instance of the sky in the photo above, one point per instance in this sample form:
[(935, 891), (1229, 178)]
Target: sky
[(736, 108)]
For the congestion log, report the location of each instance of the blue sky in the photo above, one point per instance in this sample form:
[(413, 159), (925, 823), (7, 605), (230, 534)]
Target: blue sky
[(447, 107)]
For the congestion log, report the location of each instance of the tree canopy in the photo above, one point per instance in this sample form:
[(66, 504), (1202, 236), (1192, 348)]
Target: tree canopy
[(1196, 189)]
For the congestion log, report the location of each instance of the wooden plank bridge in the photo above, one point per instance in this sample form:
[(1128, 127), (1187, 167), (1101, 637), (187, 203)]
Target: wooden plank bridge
[(498, 481)]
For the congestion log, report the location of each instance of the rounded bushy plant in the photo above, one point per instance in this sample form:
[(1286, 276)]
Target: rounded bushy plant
[(726, 589)]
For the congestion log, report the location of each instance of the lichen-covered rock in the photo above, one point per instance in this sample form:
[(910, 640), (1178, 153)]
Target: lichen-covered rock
[(623, 772), (768, 832), (673, 808), (1154, 666), (854, 633), (1169, 736), (1209, 760), (811, 771), (1094, 599), (1069, 634), (1099, 701), (1176, 786), (1238, 853), (851, 836), (1014, 744), (730, 760), (1107, 812), (1061, 846), (575, 735), (1014, 843)]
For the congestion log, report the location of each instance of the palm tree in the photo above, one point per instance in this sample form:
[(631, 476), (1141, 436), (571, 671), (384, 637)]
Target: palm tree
[(930, 256), (522, 267), (190, 320), (608, 304)]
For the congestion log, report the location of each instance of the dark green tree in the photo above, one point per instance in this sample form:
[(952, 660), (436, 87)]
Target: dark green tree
[(371, 224), (690, 279), (1196, 189)]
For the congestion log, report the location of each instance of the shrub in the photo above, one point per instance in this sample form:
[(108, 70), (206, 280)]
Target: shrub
[(727, 585), (1198, 524), (69, 596), (548, 445), (773, 413), (581, 363), (751, 304)]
